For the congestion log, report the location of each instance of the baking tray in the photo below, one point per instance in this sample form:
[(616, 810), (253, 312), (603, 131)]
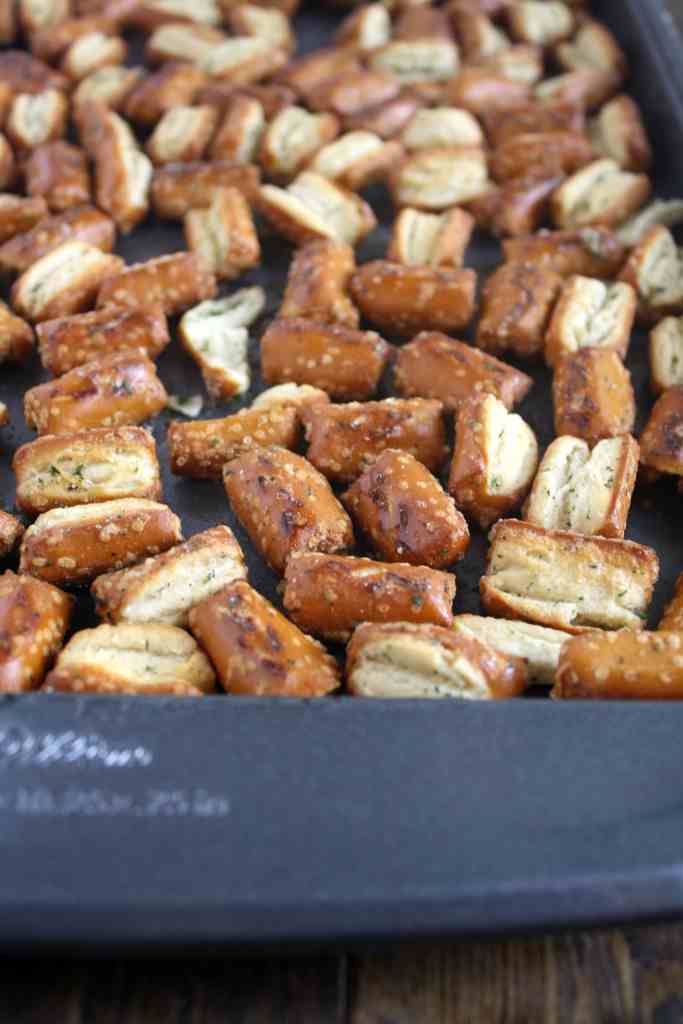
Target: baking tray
[(228, 822)]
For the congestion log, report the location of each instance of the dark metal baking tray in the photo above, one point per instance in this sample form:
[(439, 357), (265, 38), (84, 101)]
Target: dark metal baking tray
[(225, 821)]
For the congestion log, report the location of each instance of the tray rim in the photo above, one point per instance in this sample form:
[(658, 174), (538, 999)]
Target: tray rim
[(579, 901)]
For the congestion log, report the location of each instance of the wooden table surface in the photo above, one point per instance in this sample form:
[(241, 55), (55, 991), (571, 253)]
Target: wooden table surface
[(616, 977), (632, 976)]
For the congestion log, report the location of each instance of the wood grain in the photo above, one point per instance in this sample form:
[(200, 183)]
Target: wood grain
[(629, 977), (633, 977)]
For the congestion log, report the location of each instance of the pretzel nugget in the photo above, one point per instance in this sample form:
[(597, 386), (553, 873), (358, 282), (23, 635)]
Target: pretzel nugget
[(24, 73), (299, 396), (285, 505), (403, 300), (292, 138), (18, 215), (64, 281), (109, 86), (16, 337), (182, 134), (91, 52), (541, 23), (351, 93), (593, 48), (10, 532), (517, 302), (8, 168), (178, 43), (672, 619), (179, 188), (503, 125), (421, 21), (90, 466), (436, 366), (585, 491), (59, 172), (417, 60), (8, 22), (661, 443), (166, 587), (200, 449), (175, 84), (668, 212), (435, 179), (173, 282), (537, 646), (565, 580), (386, 119), (655, 270), (618, 132), (35, 118), (305, 74), (623, 666), (265, 22), (406, 515), (593, 395), (344, 362), (478, 37), (243, 59), (394, 660), (74, 545), (587, 87), (329, 595), (481, 90), (516, 208), (666, 354), (140, 660), (522, 64), (240, 131), (240, 309), (122, 172), (53, 42), (313, 207), (110, 391), (33, 620), (494, 460), (592, 252), (345, 439), (223, 236), (149, 14), (78, 223), (356, 159), (441, 127), (540, 154), (317, 284), (430, 239), (600, 193), (218, 341), (590, 314), (257, 651), (366, 28), (491, 8), (70, 341)]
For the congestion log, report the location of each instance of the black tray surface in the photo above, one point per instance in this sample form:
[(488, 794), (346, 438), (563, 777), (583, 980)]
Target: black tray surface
[(236, 821)]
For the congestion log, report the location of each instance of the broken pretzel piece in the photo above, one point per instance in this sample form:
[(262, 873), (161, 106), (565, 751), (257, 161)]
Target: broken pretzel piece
[(585, 491), (494, 459), (565, 580)]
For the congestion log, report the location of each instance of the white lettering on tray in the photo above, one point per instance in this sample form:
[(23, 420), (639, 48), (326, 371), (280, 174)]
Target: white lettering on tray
[(23, 746), (93, 801)]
